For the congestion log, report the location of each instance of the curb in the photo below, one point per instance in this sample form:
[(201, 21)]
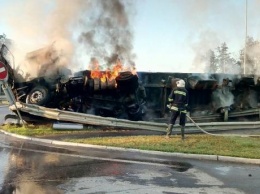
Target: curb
[(181, 155)]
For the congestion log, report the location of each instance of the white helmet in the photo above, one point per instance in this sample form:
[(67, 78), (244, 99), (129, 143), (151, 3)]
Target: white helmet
[(180, 83)]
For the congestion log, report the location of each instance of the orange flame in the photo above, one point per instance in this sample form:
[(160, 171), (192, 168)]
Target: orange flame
[(109, 74)]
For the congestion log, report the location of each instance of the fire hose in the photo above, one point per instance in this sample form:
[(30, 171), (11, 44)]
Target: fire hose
[(217, 134)]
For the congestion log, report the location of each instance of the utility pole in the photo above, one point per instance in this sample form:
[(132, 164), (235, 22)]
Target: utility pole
[(245, 38)]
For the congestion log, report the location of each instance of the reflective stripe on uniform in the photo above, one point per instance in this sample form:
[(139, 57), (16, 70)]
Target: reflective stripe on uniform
[(180, 92), (176, 109), (170, 99)]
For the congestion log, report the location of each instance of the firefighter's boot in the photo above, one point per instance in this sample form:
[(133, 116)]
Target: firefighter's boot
[(169, 130), (182, 133)]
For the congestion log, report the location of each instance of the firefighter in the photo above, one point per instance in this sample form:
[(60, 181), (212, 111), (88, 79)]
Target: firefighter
[(178, 104)]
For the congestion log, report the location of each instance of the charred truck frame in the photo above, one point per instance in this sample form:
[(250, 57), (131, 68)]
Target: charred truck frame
[(140, 96)]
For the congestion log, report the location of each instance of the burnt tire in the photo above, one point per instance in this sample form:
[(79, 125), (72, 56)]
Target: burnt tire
[(127, 82), (134, 112), (39, 95)]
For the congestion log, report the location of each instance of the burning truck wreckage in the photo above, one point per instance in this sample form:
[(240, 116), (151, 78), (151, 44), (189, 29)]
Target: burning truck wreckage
[(134, 96)]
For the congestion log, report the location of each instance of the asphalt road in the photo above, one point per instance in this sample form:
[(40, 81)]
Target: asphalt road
[(30, 167), (26, 167)]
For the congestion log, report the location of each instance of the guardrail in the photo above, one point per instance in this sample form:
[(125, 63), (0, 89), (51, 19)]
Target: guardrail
[(249, 112), (61, 115), (88, 119)]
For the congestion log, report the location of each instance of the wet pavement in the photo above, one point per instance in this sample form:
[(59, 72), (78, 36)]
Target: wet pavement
[(29, 168), (26, 167)]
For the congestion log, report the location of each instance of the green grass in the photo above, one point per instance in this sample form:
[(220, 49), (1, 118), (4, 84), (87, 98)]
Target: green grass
[(246, 147), (37, 130)]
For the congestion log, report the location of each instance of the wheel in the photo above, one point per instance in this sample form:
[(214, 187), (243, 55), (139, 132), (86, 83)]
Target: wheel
[(38, 95), (134, 112), (127, 82)]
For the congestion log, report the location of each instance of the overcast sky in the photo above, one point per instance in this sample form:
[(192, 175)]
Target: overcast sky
[(167, 35)]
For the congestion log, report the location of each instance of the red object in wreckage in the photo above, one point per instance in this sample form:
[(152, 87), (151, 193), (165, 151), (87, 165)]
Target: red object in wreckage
[(3, 72)]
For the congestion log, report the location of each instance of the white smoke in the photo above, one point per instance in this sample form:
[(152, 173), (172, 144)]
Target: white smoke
[(36, 24), (105, 29)]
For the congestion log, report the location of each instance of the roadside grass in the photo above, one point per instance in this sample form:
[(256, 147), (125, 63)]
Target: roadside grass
[(37, 130), (246, 147)]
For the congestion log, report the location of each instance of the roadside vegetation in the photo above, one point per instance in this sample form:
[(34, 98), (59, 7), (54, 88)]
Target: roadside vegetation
[(38, 130), (193, 144), (246, 147)]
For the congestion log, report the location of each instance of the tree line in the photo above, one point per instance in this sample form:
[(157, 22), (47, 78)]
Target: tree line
[(220, 60)]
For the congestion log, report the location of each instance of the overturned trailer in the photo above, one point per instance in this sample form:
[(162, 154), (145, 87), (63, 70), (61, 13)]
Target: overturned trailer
[(141, 96), (215, 96), (128, 95)]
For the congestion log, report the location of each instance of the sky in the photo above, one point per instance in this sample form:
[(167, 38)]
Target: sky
[(151, 35)]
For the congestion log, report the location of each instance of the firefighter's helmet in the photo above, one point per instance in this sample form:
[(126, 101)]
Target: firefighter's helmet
[(180, 83)]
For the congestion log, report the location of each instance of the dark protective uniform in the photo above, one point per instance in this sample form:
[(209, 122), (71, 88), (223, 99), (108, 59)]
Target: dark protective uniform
[(178, 100)]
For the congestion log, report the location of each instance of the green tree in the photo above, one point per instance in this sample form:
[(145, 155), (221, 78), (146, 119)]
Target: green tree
[(212, 62), (209, 61), (252, 59), (224, 62)]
